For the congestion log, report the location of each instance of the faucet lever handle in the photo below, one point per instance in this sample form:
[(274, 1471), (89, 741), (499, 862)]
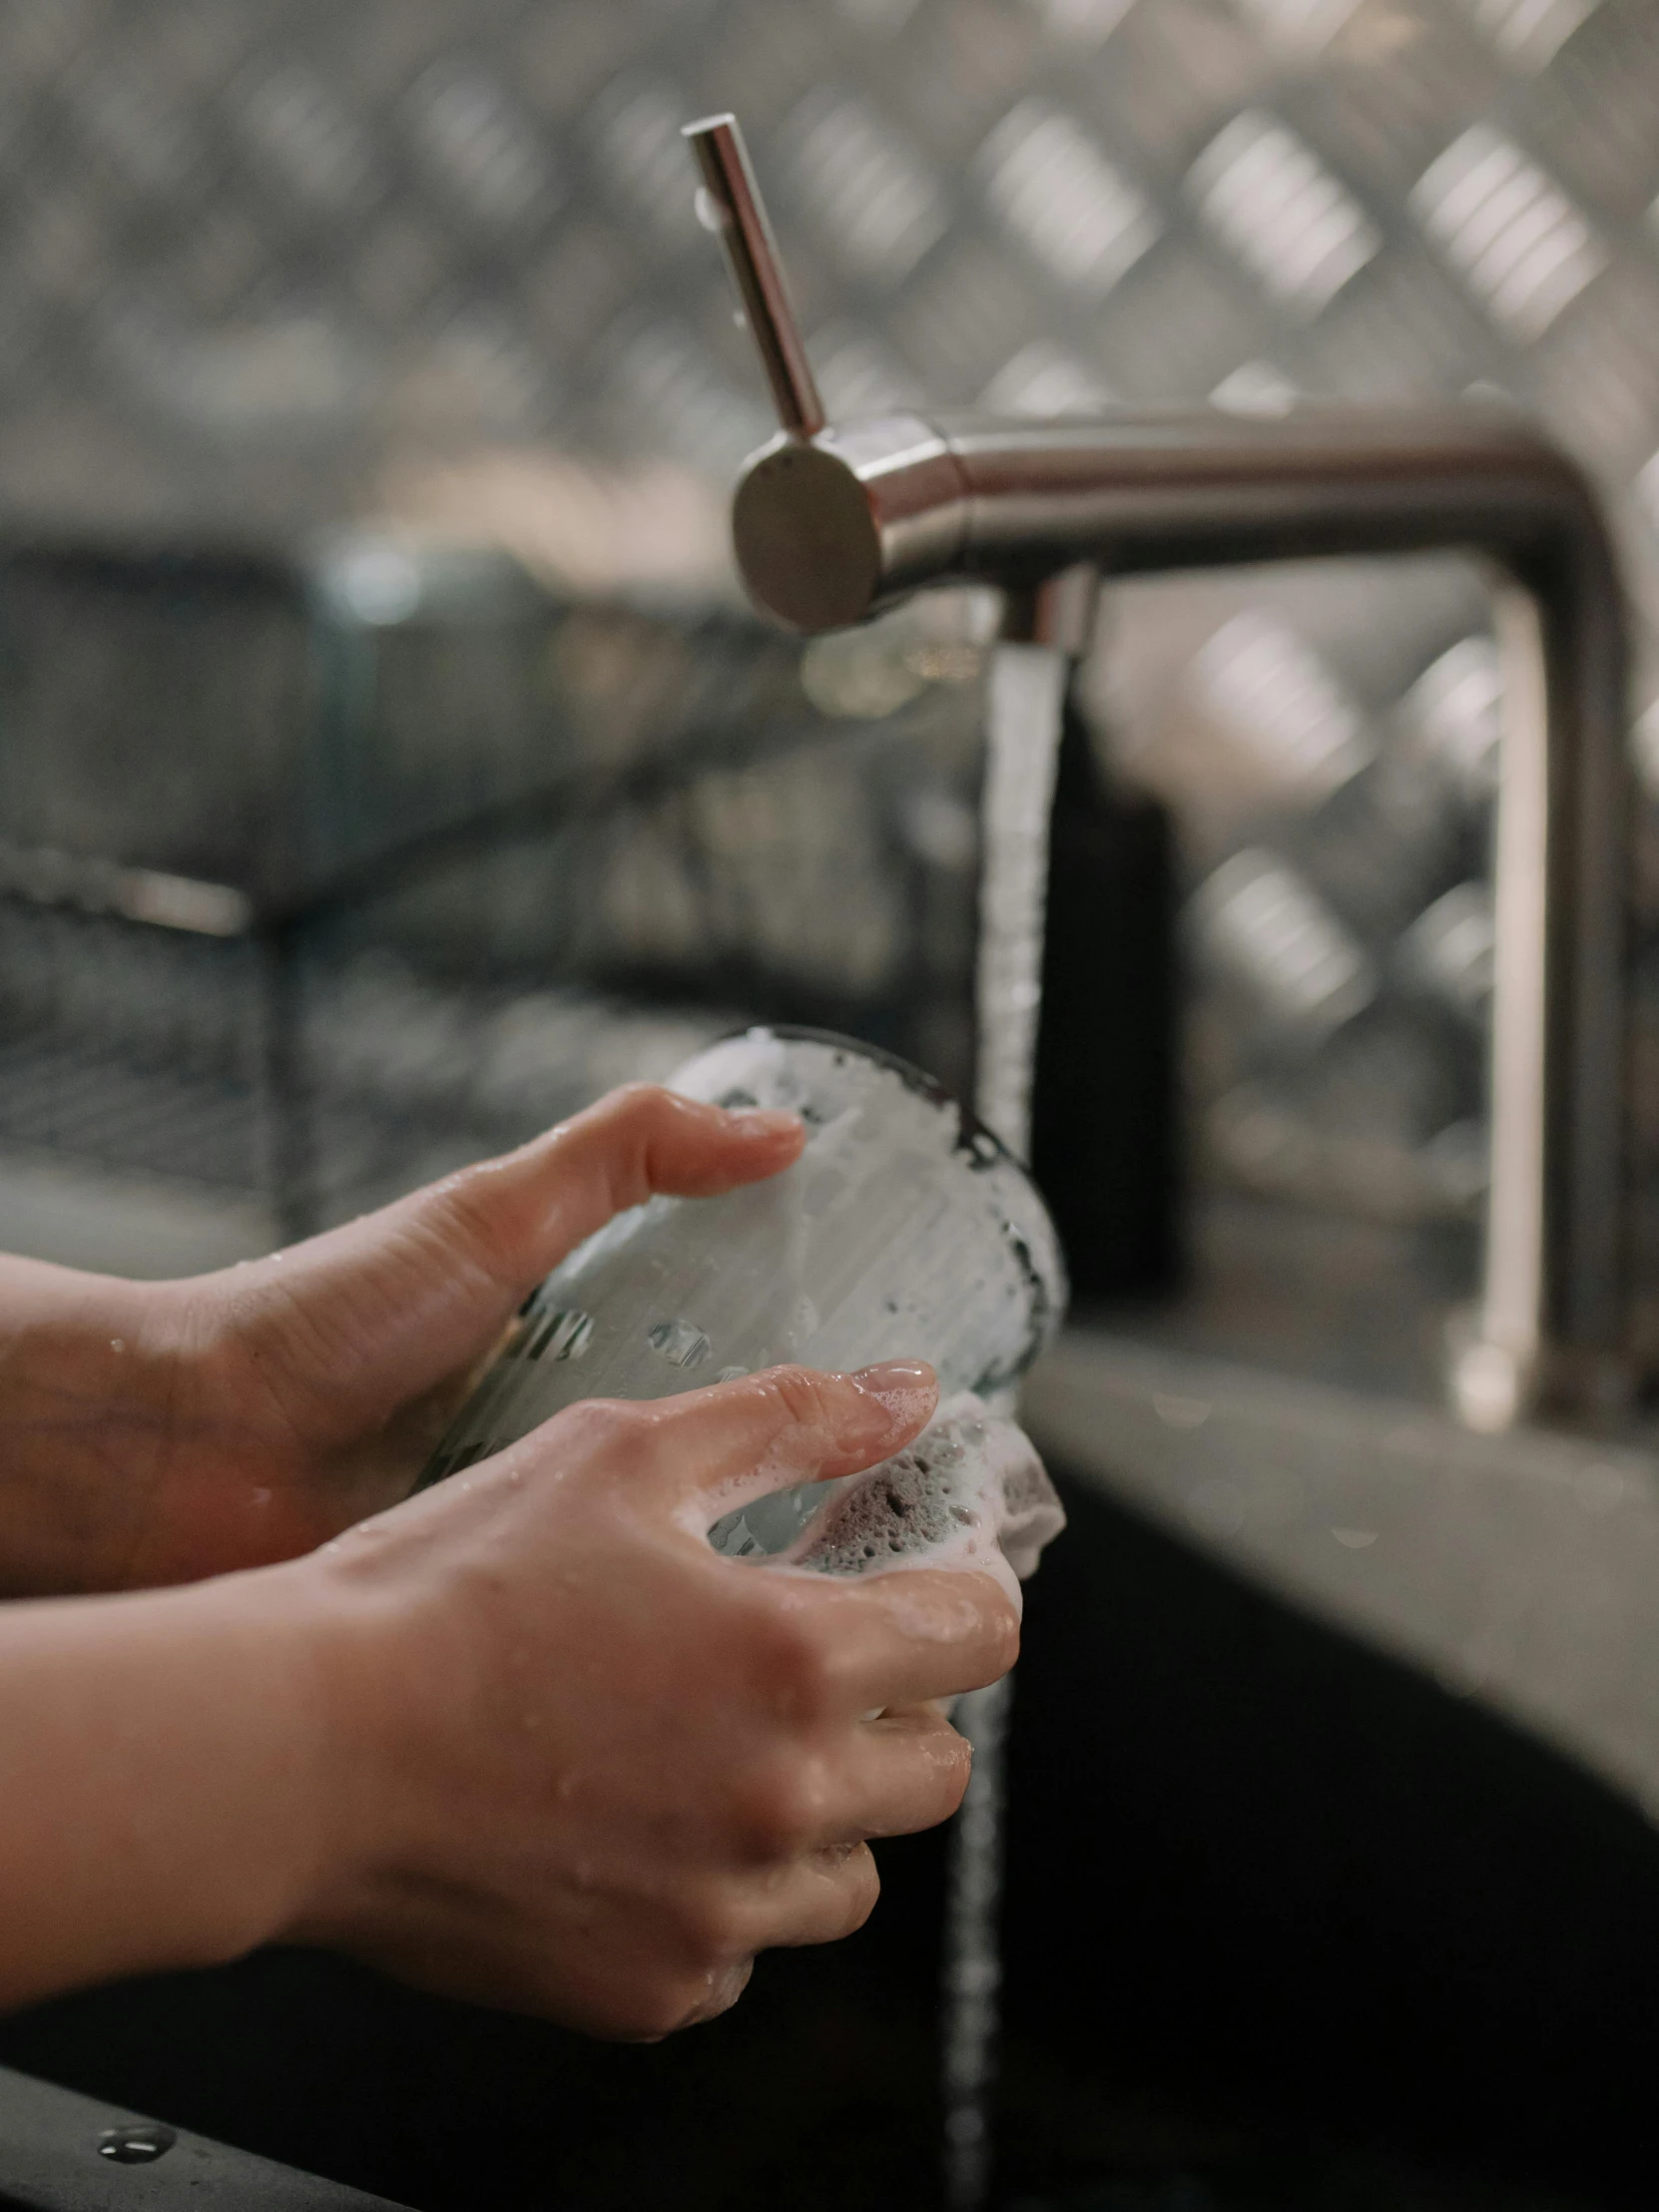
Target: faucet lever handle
[(729, 194)]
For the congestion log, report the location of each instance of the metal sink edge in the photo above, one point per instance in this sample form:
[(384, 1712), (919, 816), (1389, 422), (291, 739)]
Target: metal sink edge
[(1520, 1569)]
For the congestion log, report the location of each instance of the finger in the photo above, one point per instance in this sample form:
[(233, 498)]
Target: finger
[(715, 1447), (905, 1770), (419, 1291), (901, 1639), (721, 1989), (817, 1899), (526, 1210), (513, 1218)]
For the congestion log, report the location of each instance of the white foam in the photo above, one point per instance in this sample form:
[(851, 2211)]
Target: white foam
[(969, 1492)]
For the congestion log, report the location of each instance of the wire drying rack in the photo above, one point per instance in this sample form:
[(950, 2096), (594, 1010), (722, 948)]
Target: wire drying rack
[(353, 946)]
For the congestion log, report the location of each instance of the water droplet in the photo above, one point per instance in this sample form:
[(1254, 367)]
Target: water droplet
[(680, 1342), (1355, 1539), (1180, 1413), (118, 1344), (139, 2144)]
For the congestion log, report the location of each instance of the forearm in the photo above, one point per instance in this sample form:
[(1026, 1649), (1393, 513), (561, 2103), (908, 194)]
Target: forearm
[(162, 1796)]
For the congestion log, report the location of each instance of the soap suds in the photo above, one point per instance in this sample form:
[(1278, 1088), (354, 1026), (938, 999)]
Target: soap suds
[(968, 1492)]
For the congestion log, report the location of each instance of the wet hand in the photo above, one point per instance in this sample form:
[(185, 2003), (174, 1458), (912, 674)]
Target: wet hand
[(161, 1433), (588, 1768)]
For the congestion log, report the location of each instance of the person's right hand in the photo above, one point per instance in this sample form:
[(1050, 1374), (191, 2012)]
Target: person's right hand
[(584, 1766)]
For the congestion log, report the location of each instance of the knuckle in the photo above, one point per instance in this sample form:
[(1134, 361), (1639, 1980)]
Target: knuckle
[(796, 1666), (608, 1427), (986, 1630), (710, 1928), (727, 1988), (780, 1810), (1004, 1638), (805, 1397), (462, 1206), (713, 1993), (626, 1132), (641, 1105), (686, 1981), (861, 1884), (953, 1766), (652, 2013)]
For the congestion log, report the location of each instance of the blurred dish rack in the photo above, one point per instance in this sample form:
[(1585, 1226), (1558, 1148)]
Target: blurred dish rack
[(326, 874)]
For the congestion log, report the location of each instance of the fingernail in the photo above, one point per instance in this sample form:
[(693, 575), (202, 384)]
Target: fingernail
[(898, 1383), (762, 1121)]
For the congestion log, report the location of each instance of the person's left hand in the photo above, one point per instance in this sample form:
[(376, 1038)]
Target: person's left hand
[(154, 1432)]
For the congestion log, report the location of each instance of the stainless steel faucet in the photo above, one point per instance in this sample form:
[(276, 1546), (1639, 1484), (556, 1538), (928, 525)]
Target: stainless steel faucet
[(832, 523)]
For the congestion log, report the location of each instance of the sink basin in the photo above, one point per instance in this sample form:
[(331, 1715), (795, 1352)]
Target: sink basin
[(1521, 1570), (1332, 1776)]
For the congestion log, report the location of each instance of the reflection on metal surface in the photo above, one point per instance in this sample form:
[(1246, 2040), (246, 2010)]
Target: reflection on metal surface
[(1261, 926), (1282, 704), (63, 2152), (1062, 199), (1523, 248), (1270, 199), (740, 221)]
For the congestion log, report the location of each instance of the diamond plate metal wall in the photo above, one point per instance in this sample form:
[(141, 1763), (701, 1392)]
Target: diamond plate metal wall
[(244, 247), (252, 255)]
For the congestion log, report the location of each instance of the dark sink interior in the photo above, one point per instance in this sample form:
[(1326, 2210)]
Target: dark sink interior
[(1287, 1927)]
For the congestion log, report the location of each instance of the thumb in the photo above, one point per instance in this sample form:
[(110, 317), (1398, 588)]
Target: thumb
[(352, 1324)]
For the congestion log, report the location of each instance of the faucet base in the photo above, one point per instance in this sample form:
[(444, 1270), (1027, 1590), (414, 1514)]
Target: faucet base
[(1492, 1385)]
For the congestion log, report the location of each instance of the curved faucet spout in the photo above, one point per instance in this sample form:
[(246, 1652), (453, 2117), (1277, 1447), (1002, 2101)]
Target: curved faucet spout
[(828, 529), (831, 523)]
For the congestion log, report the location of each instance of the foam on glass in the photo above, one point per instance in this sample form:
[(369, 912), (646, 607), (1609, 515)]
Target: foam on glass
[(905, 1230)]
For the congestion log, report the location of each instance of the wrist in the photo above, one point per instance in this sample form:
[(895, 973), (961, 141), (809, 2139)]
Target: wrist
[(201, 1804), (312, 1805), (263, 1757), (356, 1697)]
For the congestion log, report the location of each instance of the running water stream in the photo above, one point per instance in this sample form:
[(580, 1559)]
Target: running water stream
[(1024, 706)]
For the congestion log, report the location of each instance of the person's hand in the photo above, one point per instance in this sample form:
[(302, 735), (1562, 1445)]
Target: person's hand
[(594, 1767), (160, 1433), (525, 1738)]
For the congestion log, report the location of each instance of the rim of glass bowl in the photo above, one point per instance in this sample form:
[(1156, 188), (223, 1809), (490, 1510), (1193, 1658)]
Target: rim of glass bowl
[(974, 1133)]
